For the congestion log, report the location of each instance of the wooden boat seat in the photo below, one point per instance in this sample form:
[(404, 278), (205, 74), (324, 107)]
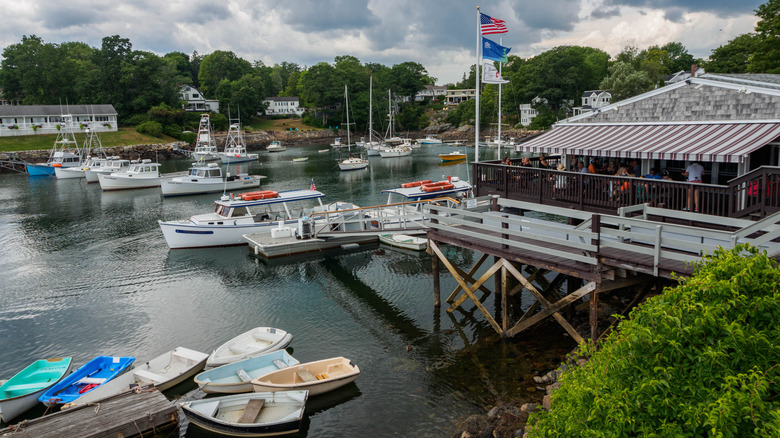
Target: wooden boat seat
[(188, 355), (306, 376), (208, 409), (149, 376), (251, 411)]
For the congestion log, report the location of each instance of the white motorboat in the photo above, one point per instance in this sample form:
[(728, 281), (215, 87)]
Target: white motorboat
[(275, 146), (353, 162), (111, 165), (426, 189), (317, 377), (205, 144), (236, 377), (429, 139), (208, 179), (337, 143), (247, 213), (163, 372), (138, 176), (404, 241), (92, 144), (255, 414), (235, 147), (64, 153), (395, 151), (252, 343)]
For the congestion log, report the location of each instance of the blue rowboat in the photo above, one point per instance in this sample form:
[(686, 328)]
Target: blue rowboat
[(236, 377), (90, 376), (21, 391)]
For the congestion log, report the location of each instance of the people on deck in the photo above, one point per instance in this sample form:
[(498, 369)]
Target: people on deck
[(694, 172), (653, 175)]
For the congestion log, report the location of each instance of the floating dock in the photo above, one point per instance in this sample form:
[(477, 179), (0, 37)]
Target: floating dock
[(124, 415), (271, 247)]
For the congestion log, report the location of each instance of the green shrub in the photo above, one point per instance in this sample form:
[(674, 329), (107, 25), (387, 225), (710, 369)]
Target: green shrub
[(188, 137), (150, 128), (136, 120), (172, 130), (701, 359)]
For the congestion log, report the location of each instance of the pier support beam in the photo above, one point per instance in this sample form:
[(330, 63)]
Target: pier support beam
[(436, 282)]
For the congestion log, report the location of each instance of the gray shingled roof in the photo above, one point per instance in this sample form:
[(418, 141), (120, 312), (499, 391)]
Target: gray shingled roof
[(767, 80), (55, 110), (283, 99), (690, 103)]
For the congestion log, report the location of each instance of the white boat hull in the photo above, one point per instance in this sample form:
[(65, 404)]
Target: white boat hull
[(117, 182), (404, 241), (186, 186), (317, 377), (69, 172), (232, 158), (205, 156), (12, 408), (253, 343), (185, 234), (353, 165)]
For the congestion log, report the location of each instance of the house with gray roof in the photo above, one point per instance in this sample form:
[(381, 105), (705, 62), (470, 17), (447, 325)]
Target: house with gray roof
[(45, 119), (195, 101), (285, 106), (730, 123)]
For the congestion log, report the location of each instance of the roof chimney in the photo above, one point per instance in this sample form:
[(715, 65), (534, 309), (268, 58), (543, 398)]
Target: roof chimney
[(694, 67)]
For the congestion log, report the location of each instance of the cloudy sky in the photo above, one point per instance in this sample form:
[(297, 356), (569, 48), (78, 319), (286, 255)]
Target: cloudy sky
[(439, 34)]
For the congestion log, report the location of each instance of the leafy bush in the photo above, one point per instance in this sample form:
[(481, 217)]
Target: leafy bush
[(310, 119), (701, 359), (150, 128), (219, 122), (172, 130), (136, 119), (188, 137)]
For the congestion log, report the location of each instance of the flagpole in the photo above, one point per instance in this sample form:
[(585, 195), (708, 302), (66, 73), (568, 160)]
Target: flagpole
[(476, 118), (500, 65)]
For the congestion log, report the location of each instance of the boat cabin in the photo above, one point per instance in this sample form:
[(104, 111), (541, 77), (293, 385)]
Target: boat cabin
[(270, 206), (210, 171)]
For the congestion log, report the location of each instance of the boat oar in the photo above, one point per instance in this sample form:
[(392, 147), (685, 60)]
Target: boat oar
[(76, 382)]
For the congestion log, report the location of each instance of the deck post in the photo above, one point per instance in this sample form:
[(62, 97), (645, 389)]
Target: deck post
[(504, 303), (594, 316), (436, 283)]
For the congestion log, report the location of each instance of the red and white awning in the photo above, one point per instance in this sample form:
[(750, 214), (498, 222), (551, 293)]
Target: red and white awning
[(721, 142)]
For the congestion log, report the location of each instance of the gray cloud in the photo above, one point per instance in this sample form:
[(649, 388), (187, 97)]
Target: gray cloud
[(600, 13), (720, 7), (335, 15), (555, 15)]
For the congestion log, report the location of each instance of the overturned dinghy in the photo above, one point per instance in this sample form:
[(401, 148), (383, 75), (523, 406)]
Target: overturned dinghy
[(254, 414), (250, 344)]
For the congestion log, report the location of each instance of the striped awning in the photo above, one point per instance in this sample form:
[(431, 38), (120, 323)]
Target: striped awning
[(721, 142)]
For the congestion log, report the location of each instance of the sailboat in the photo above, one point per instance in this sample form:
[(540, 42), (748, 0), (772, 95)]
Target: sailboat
[(205, 145), (395, 146), (352, 162), (372, 147), (65, 153), (235, 147)]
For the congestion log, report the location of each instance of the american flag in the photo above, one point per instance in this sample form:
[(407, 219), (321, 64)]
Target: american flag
[(312, 187), (491, 25)]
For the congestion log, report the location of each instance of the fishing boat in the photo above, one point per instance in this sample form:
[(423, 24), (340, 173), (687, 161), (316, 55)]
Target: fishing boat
[(429, 139), (404, 241), (138, 176), (402, 150), (452, 156), (275, 146), (427, 189), (111, 165), (235, 147), (352, 162), (249, 415), (65, 153), (92, 145), (91, 375), (237, 377), (247, 213), (208, 179), (21, 392), (317, 377), (163, 372), (252, 343), (205, 144)]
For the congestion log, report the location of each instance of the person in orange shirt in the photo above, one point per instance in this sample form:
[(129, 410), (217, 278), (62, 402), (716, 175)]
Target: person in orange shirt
[(592, 167)]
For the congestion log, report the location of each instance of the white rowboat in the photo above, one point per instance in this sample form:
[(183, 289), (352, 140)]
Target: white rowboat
[(252, 343)]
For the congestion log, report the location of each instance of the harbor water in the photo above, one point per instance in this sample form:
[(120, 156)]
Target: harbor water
[(86, 273)]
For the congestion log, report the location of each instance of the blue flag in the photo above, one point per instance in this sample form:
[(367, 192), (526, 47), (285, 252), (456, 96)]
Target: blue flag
[(494, 51)]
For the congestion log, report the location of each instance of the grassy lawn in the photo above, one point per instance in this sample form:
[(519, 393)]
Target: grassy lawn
[(263, 124), (123, 137)]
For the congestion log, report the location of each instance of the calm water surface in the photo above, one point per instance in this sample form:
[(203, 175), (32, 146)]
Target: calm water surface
[(86, 273)]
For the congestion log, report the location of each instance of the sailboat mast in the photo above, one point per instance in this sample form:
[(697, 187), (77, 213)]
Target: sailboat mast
[(346, 99), (370, 108)]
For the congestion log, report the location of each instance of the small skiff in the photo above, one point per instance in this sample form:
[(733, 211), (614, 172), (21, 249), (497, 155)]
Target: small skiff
[(317, 377), (163, 372), (250, 344), (254, 414), (237, 377), (452, 156), (21, 392), (300, 159), (91, 375), (404, 241)]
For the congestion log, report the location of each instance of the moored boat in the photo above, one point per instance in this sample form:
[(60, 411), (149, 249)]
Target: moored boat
[(250, 415), (275, 146), (91, 375), (207, 179), (112, 164), (205, 145), (235, 147), (236, 377), (252, 343), (431, 189), (452, 156), (429, 139), (138, 176), (21, 392), (405, 241), (64, 153), (317, 377)]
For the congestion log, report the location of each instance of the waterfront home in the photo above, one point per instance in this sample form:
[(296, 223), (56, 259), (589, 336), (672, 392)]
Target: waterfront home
[(430, 92), (455, 97), (286, 106), (195, 101), (45, 119)]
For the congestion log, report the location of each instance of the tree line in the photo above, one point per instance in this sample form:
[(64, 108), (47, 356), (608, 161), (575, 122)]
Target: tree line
[(134, 81)]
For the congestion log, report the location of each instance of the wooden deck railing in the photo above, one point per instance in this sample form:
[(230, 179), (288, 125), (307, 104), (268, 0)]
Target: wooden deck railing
[(757, 193)]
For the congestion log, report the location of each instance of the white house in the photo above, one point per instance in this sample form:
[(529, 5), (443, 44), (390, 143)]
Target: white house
[(430, 92), (44, 119), (527, 111), (593, 100), (288, 106), (195, 101), (455, 97)]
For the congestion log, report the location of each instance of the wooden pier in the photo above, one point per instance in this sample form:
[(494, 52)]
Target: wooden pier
[(125, 415), (639, 246)]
